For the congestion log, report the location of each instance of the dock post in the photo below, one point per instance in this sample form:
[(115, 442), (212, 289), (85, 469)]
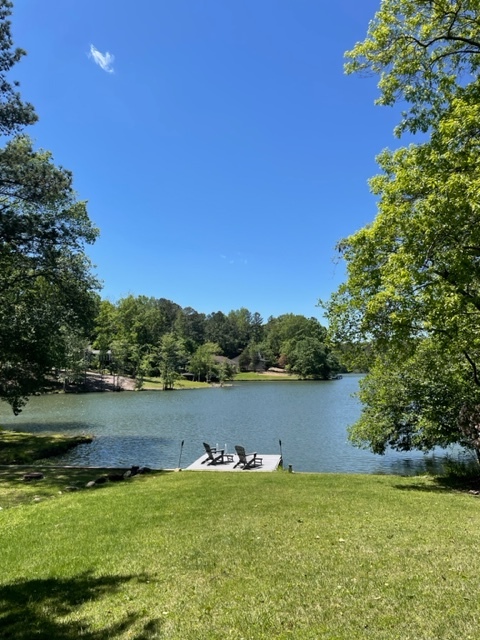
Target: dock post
[(180, 456)]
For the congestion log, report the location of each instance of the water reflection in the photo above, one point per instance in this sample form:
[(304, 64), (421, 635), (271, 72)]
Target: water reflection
[(147, 428)]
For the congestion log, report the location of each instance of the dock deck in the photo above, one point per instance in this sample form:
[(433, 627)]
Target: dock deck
[(270, 463)]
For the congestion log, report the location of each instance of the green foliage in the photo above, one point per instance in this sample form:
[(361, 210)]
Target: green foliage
[(145, 320), (413, 289), (106, 326), (75, 354), (172, 357), (233, 332), (132, 329), (222, 330), (460, 473), (125, 358), (310, 358), (14, 113), (250, 357), (202, 363), (415, 402), (190, 326), (226, 371), (422, 51), (299, 344)]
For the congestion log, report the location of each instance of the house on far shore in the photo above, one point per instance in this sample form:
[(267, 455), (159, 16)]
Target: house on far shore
[(225, 360), (104, 357), (260, 365), (276, 370)]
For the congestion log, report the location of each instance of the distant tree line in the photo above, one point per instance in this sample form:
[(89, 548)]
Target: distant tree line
[(143, 336)]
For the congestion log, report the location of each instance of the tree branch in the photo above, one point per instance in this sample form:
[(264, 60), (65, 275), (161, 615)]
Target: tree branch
[(474, 368)]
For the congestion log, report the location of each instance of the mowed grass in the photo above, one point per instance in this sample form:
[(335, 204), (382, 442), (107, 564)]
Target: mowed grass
[(157, 384), (24, 448), (248, 555), (15, 490), (250, 376)]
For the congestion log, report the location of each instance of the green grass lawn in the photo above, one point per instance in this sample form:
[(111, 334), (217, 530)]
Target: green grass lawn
[(24, 448), (251, 376), (196, 555), (157, 384)]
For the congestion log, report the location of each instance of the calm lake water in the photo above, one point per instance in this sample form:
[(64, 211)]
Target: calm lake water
[(147, 428)]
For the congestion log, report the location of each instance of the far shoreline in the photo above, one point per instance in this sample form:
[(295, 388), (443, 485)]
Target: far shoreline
[(95, 382)]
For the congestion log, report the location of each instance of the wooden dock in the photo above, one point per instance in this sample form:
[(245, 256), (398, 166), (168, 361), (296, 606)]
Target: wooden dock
[(269, 463)]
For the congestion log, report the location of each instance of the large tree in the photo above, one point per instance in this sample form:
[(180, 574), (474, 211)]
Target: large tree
[(203, 364), (309, 357), (413, 287), (47, 290), (172, 357), (284, 332)]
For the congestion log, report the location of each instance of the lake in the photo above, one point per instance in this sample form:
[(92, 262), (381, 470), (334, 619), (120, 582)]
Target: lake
[(146, 428)]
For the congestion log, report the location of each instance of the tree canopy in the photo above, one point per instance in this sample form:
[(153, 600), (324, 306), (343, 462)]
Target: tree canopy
[(424, 52), (15, 114), (413, 287), (47, 290)]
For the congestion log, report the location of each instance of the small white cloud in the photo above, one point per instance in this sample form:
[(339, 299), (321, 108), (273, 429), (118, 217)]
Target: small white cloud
[(104, 60), (238, 258)]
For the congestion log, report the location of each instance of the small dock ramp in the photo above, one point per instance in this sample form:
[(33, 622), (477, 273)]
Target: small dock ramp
[(269, 463)]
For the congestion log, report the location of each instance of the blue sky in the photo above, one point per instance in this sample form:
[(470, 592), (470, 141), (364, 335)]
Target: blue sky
[(221, 148)]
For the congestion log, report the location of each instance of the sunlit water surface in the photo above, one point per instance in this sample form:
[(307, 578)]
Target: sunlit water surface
[(147, 428)]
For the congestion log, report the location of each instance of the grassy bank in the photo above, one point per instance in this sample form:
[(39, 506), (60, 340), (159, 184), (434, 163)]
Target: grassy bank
[(157, 384), (15, 491), (250, 376), (198, 555), (25, 448)]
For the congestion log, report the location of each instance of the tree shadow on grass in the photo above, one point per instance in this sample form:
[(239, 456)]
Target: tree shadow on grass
[(36, 609), (445, 484)]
